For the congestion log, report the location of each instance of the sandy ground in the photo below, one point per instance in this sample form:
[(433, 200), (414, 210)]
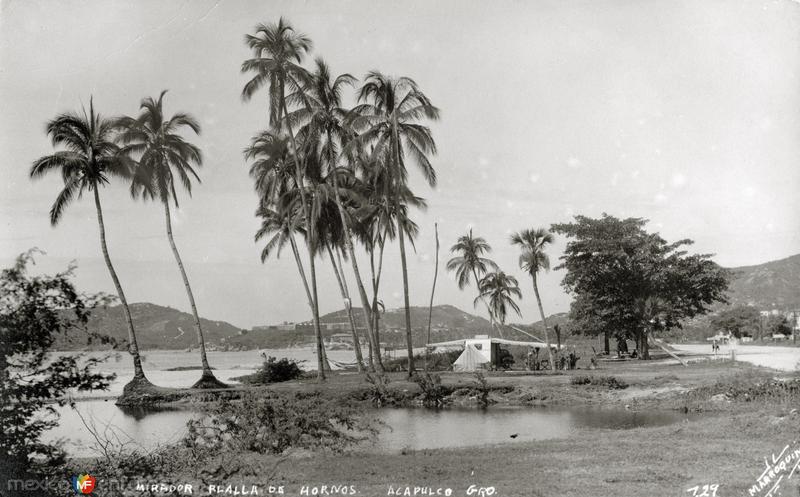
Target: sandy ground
[(781, 358)]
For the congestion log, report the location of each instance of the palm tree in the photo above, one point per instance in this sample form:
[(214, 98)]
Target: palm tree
[(533, 259), (278, 51), (388, 119), (499, 289), (378, 217), (89, 158), (470, 264), (323, 132), (164, 154), (281, 207)]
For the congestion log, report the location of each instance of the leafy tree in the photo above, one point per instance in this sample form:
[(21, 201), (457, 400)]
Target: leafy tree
[(164, 159), (740, 320), (779, 325), (533, 259), (635, 281), (87, 162), (34, 311)]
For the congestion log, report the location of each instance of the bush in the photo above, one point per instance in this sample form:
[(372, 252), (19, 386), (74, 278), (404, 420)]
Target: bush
[(277, 370), (610, 382), (433, 392), (276, 423), (482, 388)]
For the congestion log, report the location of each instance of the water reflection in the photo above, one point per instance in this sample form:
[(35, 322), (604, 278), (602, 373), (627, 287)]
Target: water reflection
[(403, 428)]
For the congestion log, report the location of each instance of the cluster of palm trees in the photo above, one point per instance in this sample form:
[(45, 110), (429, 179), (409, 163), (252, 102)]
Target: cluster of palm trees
[(496, 289), (147, 152), (336, 177)]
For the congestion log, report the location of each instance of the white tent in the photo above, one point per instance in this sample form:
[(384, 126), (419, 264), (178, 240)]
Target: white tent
[(470, 360)]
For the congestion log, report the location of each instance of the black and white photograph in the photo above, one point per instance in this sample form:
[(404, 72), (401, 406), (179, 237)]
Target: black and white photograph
[(410, 248)]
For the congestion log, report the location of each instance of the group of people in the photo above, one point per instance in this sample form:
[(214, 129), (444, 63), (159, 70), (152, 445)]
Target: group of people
[(563, 362)]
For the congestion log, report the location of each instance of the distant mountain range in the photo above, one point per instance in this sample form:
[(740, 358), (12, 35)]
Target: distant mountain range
[(773, 285)]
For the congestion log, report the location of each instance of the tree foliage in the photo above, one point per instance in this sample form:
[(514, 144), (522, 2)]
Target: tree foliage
[(740, 320), (634, 282), (33, 311)]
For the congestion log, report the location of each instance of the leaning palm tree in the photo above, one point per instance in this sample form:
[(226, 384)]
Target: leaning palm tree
[(499, 290), (470, 264), (533, 259), (90, 157), (389, 119), (165, 158)]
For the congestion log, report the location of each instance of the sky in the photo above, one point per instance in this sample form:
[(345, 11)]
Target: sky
[(681, 112)]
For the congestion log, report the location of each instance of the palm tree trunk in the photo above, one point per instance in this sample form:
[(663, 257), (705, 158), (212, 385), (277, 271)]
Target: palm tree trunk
[(348, 307), (299, 262), (376, 284), (133, 347), (433, 290), (409, 339), (207, 375), (544, 322), (321, 359), (348, 242)]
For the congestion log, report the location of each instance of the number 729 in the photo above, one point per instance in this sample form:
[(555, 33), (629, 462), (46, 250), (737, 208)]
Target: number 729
[(704, 491)]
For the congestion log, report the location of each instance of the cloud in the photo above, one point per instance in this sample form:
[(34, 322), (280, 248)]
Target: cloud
[(533, 177), (573, 162)]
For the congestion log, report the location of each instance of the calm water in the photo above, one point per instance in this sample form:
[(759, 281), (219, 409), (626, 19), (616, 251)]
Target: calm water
[(411, 428), (404, 428)]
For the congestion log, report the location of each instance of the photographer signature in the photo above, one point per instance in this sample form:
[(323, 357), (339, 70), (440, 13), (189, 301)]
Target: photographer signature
[(778, 468)]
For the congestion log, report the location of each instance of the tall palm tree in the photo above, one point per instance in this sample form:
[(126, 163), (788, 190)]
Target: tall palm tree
[(533, 259), (165, 158), (323, 131), (499, 290), (278, 51), (89, 158), (470, 264), (389, 119)]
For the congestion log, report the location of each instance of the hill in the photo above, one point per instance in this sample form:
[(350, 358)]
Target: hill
[(772, 285), (157, 327)]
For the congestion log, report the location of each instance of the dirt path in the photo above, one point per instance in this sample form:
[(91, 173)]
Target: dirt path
[(781, 358)]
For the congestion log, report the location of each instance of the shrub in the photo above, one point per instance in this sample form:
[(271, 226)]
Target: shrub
[(482, 388), (610, 382), (433, 392), (277, 370), (276, 423)]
